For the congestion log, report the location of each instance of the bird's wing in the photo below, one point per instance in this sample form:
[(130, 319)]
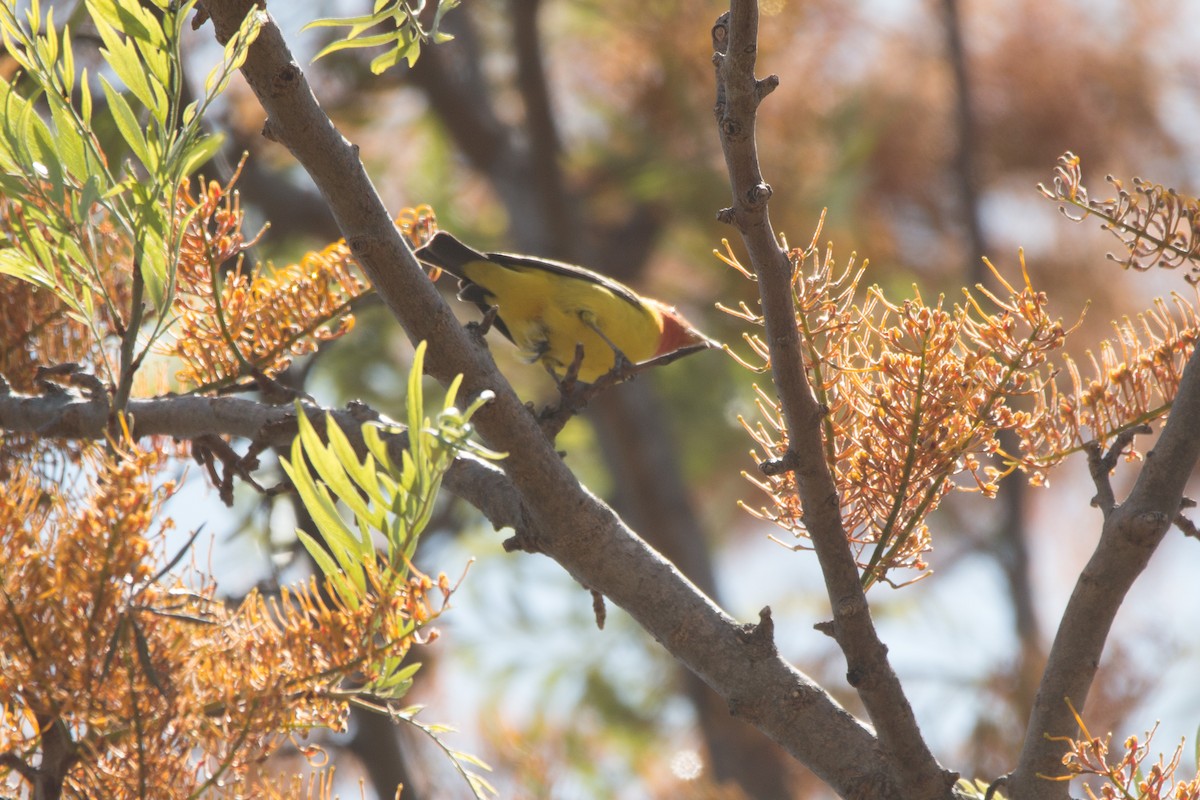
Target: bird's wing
[(515, 261)]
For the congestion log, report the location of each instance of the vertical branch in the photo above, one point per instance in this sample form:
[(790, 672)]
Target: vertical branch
[(544, 147), (868, 670)]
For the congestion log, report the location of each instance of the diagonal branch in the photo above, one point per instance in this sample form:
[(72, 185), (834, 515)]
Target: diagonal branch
[(868, 670), (571, 525), (1132, 532)]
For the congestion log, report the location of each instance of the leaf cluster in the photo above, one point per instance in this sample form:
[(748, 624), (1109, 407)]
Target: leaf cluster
[(403, 38)]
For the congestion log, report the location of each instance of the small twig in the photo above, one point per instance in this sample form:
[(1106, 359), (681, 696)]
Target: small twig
[(761, 635), (995, 786), (1101, 464), (521, 541), (598, 609), (1184, 523)]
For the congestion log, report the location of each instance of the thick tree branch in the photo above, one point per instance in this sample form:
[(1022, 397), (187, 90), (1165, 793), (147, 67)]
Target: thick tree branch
[(735, 38), (62, 415), (575, 528), (1131, 533), (653, 498)]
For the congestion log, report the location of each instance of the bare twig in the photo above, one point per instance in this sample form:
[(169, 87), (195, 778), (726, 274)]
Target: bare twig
[(1101, 464)]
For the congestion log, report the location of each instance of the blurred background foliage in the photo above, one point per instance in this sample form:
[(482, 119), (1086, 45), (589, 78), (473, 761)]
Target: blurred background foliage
[(584, 131)]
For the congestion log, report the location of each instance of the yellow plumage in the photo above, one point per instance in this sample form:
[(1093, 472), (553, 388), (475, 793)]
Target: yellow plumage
[(547, 307)]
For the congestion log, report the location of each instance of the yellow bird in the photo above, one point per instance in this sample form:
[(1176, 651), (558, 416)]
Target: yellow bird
[(547, 307)]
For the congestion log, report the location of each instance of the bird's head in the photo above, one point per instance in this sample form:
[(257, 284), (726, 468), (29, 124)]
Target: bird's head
[(678, 333)]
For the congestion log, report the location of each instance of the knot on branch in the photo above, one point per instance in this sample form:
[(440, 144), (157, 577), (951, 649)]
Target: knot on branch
[(760, 638), (283, 81), (726, 216), (758, 195), (521, 541), (779, 466), (1149, 526), (732, 129), (720, 35)]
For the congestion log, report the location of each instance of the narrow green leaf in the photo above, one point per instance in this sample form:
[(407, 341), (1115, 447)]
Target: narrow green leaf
[(356, 43), (329, 569), (362, 473), (85, 97), (17, 264), (415, 401), (42, 150), (71, 146), (377, 448), (128, 125), (153, 262), (66, 67), (329, 466), (390, 58), (325, 515), (345, 22), (201, 152)]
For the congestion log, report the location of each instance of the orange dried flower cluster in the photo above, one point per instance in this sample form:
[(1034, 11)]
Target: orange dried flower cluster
[(155, 691), (1133, 382), (1157, 226), (233, 320), (1126, 779), (917, 394)]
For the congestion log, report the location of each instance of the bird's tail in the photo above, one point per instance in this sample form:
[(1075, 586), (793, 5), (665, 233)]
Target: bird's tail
[(448, 253)]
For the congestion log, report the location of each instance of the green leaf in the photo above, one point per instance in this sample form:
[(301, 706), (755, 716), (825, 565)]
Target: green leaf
[(316, 499), (85, 98), (66, 67), (200, 152), (128, 125), (128, 18), (369, 20), (356, 43), (17, 264), (329, 467), (122, 55), (153, 262), (71, 146), (42, 151), (330, 570)]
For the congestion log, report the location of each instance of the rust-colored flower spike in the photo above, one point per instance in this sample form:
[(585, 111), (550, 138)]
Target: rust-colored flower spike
[(158, 690), (1127, 777), (1157, 226), (1131, 383), (916, 394), (264, 316)]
